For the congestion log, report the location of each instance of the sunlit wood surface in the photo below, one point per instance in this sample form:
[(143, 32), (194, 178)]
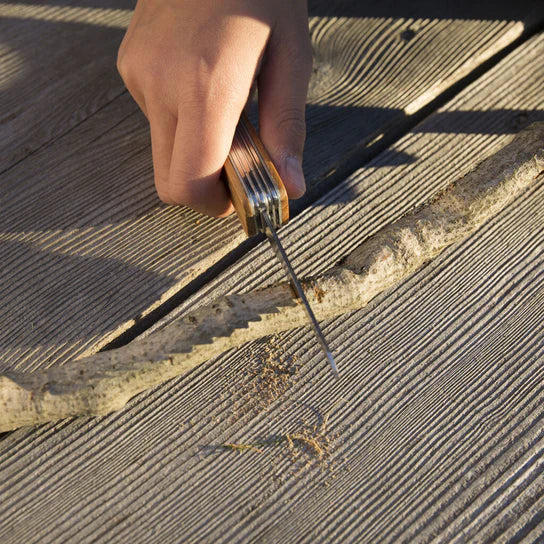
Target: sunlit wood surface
[(435, 431)]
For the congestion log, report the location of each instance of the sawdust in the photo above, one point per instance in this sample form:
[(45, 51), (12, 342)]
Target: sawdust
[(271, 373), (308, 446), (319, 294), (312, 441), (275, 373)]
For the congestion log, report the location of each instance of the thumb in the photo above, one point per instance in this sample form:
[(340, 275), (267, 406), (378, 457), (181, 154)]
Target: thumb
[(283, 85)]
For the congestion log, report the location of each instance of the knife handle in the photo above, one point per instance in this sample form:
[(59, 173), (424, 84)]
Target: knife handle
[(253, 180)]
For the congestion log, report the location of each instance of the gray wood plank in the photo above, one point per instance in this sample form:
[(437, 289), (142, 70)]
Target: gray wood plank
[(361, 81), (57, 67), (435, 430), (48, 90), (89, 256), (89, 251)]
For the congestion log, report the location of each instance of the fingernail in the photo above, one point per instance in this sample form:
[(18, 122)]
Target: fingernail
[(295, 184)]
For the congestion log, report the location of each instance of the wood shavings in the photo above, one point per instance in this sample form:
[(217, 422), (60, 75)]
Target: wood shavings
[(270, 373), (311, 440)]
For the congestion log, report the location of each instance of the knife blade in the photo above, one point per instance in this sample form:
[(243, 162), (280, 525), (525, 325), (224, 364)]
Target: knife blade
[(261, 203)]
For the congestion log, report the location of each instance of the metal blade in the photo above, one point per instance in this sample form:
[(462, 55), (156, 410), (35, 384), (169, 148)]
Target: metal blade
[(282, 256)]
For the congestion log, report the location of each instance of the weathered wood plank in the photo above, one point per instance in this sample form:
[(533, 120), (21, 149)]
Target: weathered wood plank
[(105, 382), (88, 249), (466, 130), (57, 67), (48, 90), (435, 428), (359, 81), (85, 232)]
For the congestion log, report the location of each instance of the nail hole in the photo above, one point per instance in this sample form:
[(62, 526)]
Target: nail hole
[(407, 35)]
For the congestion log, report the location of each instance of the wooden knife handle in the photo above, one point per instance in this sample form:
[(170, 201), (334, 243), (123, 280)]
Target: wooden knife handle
[(242, 165)]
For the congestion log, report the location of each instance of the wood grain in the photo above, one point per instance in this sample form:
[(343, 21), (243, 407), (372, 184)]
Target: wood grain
[(47, 91), (57, 67), (88, 249), (436, 427), (104, 382), (465, 131), (361, 93)]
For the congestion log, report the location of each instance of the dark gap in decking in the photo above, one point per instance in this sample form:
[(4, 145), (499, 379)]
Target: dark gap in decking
[(351, 162)]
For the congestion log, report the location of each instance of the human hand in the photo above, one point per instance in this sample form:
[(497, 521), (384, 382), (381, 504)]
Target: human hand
[(191, 64)]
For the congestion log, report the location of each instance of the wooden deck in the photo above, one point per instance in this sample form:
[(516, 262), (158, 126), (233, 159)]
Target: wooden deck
[(434, 433)]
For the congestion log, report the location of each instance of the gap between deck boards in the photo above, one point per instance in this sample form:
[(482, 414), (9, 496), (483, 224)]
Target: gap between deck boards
[(351, 162)]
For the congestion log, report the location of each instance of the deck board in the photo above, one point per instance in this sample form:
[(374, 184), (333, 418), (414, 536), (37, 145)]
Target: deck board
[(89, 249), (58, 68), (436, 427)]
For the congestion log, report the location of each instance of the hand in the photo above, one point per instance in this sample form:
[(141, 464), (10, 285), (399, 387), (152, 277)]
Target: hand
[(191, 64)]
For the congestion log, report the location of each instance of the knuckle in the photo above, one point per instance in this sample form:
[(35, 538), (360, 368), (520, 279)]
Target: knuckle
[(163, 188), (292, 121), (163, 193), (142, 70), (122, 63), (209, 88), (128, 69)]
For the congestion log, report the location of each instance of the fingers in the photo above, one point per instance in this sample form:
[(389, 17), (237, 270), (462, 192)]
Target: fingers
[(190, 67), (189, 149), (202, 142), (208, 110), (163, 132), (192, 76), (283, 85)]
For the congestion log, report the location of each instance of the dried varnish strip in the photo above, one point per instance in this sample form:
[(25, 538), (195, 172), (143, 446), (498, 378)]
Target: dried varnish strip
[(440, 430), (105, 382), (88, 250)]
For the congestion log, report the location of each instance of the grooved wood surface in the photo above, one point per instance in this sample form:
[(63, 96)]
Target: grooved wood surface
[(57, 67), (444, 147), (435, 432), (88, 249)]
